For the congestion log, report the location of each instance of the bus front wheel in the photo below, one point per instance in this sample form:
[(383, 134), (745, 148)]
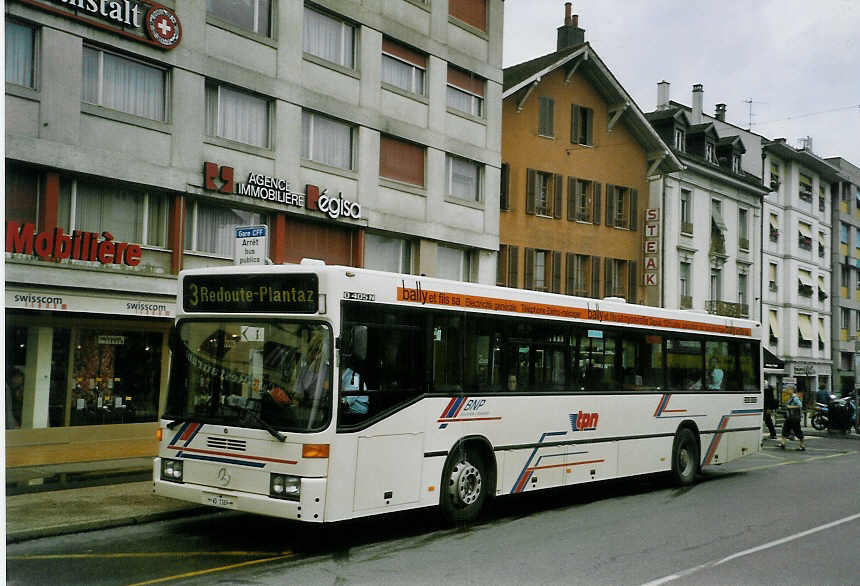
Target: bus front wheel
[(685, 457), (464, 486)]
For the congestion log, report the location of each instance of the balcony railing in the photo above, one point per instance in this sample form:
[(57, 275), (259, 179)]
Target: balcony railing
[(726, 308), (687, 227), (744, 243)]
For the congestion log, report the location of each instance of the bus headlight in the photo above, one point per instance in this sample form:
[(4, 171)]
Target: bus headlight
[(282, 486), (171, 470)]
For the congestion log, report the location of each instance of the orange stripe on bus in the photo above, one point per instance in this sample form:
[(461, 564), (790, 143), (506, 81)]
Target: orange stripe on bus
[(425, 296)]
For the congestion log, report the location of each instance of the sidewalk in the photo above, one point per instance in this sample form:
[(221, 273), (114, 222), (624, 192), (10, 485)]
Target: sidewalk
[(47, 513), (58, 512)]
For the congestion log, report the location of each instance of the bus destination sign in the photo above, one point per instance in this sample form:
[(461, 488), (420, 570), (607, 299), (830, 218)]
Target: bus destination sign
[(255, 293)]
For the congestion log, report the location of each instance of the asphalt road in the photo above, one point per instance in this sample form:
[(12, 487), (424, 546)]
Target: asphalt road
[(774, 518)]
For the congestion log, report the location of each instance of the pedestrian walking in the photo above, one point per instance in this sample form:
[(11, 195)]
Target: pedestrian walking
[(769, 406), (792, 421)]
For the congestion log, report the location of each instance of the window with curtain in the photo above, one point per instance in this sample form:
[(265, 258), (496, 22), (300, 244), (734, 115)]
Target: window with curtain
[(209, 228), (401, 160), (251, 15), (326, 140), (403, 67), (385, 253), (130, 215), (329, 38), (20, 54), (123, 84), (237, 115), (463, 178), (465, 91), (452, 263)]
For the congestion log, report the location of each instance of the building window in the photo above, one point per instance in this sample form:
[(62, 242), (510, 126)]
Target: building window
[(507, 267), (773, 329), (129, 215), (581, 201), (716, 288), (123, 84), (465, 91), (505, 187), (774, 228), (680, 139), (774, 176), (805, 187), (236, 115), (804, 287), (742, 289), (545, 117), (384, 253), (401, 161), (804, 235), (736, 163), (771, 283), (249, 15), (543, 193), (541, 258), (686, 211), (542, 270), (453, 263), (710, 152), (463, 178), (621, 207), (617, 277), (329, 38), (22, 195), (822, 198), (843, 232), (20, 54), (403, 67), (686, 293), (845, 276), (845, 318), (471, 12), (822, 244), (581, 125), (209, 229), (743, 229), (326, 140), (579, 274)]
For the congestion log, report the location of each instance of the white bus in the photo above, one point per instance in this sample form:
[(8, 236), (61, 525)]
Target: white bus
[(324, 393)]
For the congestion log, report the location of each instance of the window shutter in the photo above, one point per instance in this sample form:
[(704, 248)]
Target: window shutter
[(610, 205), (574, 124), (589, 126), (504, 195), (634, 209), (513, 266), (502, 265), (529, 273), (571, 199), (595, 216), (530, 191), (556, 272), (595, 276), (569, 266), (545, 116), (607, 277), (631, 273), (558, 202)]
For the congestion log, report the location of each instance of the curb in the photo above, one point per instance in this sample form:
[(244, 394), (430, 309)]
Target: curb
[(57, 530)]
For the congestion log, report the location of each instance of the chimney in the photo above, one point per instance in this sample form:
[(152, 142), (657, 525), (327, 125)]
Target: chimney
[(570, 34), (806, 144), (720, 113), (698, 94), (662, 95)]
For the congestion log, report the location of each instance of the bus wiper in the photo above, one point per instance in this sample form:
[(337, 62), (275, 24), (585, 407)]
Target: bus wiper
[(259, 420)]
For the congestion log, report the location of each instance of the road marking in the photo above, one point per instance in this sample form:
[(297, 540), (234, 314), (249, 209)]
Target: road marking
[(75, 556), (787, 462), (213, 570), (734, 556)]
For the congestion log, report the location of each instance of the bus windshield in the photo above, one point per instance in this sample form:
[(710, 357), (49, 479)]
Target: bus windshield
[(273, 375)]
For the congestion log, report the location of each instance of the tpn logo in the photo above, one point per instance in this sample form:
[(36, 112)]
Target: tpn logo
[(583, 421)]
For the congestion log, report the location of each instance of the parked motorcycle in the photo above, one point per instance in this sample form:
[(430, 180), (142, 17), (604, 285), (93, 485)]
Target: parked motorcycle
[(819, 418), (838, 416)]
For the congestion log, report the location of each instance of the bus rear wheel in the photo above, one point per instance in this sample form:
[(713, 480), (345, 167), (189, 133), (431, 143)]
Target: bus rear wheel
[(464, 486), (685, 457)]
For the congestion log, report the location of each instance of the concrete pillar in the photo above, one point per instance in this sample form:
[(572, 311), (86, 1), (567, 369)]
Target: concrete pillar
[(37, 378)]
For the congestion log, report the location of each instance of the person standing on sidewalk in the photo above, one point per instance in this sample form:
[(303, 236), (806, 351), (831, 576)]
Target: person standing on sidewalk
[(792, 421), (769, 406)]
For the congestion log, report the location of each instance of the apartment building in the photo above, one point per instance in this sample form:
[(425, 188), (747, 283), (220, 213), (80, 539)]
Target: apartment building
[(138, 138), (796, 265), (845, 277), (577, 159)]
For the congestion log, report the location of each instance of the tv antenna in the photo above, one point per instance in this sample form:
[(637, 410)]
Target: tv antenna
[(749, 102)]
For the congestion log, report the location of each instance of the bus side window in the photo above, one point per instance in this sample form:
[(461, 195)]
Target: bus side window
[(447, 344), (652, 363), (684, 360), (721, 371), (750, 380)]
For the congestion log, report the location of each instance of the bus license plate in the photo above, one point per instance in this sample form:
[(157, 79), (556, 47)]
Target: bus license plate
[(219, 500)]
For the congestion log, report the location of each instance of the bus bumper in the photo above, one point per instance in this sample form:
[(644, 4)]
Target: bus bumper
[(310, 508)]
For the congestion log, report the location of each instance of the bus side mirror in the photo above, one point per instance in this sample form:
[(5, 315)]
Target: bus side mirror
[(356, 343)]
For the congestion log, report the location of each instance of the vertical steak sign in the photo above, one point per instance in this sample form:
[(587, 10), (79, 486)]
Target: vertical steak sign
[(140, 20)]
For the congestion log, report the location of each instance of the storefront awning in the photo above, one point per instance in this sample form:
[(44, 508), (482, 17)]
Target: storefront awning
[(717, 218), (772, 361), (822, 334), (774, 325), (821, 284), (805, 277), (805, 230), (774, 222), (821, 239)]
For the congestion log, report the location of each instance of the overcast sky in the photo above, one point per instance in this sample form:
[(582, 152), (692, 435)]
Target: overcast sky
[(797, 60)]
